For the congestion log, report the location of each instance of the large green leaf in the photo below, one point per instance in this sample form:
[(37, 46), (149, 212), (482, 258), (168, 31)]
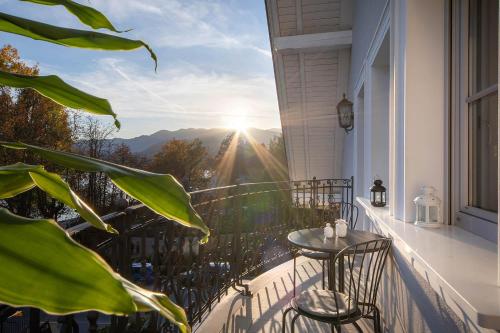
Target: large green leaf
[(50, 183), (160, 192), (146, 300), (60, 92), (87, 15), (69, 37), (14, 184), (44, 268)]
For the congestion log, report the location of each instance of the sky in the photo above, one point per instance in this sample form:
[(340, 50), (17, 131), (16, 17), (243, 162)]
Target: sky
[(214, 62)]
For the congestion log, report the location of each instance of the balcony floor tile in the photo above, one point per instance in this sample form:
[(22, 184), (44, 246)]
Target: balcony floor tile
[(272, 292)]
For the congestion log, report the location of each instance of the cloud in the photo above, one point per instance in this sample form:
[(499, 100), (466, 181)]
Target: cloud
[(183, 92), (217, 35), (182, 24), (169, 23)]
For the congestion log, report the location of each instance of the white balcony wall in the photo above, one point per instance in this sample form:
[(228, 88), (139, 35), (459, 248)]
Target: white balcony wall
[(398, 82), (366, 18), (398, 90), (420, 104), (398, 60)]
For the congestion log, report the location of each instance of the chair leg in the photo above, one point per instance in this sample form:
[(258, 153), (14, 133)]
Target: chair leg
[(293, 322), (323, 277), (283, 322), (377, 325), (357, 327), (294, 272), (335, 328), (379, 321)]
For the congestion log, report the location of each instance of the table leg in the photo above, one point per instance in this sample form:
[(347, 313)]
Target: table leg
[(331, 273)]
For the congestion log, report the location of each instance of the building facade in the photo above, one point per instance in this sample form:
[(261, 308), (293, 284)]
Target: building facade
[(423, 79)]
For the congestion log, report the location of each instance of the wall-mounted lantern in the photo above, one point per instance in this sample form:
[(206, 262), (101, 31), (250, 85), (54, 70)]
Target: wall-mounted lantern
[(378, 196), (345, 114), (428, 207)]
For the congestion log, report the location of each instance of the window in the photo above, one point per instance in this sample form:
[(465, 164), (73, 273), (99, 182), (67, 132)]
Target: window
[(475, 142), (483, 104)]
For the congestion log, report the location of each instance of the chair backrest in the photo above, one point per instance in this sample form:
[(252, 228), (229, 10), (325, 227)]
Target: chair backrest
[(364, 264), (343, 210), (349, 212)]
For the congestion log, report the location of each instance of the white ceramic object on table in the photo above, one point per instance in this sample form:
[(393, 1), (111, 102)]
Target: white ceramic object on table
[(328, 231), (341, 228)]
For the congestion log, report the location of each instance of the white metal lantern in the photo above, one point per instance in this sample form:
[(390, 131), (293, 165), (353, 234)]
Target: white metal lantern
[(428, 207)]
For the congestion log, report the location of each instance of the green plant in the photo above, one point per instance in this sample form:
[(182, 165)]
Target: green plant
[(42, 266)]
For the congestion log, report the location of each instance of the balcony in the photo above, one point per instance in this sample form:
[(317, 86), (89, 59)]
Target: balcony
[(270, 294), (239, 281)]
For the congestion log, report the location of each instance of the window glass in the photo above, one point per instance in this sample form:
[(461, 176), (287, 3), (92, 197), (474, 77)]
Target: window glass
[(482, 110), (483, 44), (483, 153)]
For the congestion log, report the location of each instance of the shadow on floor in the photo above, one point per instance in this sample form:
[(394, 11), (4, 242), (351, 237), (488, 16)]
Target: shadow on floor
[(272, 292)]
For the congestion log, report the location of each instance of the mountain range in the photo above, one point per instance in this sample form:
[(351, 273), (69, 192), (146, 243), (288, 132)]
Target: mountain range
[(148, 145)]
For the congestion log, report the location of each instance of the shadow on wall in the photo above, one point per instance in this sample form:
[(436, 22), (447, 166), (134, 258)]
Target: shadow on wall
[(408, 302)]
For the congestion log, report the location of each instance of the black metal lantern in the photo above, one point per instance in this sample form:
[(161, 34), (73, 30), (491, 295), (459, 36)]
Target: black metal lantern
[(377, 194), (345, 114)]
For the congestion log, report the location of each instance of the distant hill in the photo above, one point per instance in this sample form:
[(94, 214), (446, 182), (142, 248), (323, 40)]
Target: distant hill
[(148, 145)]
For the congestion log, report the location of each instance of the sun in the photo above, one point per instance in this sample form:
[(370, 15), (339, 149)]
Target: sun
[(238, 115), (239, 124)]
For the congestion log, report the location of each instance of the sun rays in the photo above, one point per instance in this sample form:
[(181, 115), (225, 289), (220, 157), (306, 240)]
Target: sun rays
[(275, 169), (228, 166), (225, 167)]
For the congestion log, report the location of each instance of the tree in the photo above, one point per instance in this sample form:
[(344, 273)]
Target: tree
[(28, 116), (228, 163), (277, 150), (122, 154), (11, 62), (241, 159), (186, 161), (32, 118), (92, 141)]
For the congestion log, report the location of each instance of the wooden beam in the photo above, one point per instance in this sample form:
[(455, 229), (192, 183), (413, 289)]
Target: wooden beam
[(326, 40)]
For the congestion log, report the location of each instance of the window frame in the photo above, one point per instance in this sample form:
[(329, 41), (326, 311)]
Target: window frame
[(479, 221)]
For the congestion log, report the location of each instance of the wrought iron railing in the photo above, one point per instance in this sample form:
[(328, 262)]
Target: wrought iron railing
[(249, 224)]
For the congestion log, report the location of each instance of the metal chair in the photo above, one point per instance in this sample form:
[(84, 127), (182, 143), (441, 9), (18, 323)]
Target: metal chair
[(348, 212), (356, 299)]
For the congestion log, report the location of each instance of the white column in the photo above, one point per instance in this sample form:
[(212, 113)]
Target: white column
[(367, 138), (359, 149), (418, 101)]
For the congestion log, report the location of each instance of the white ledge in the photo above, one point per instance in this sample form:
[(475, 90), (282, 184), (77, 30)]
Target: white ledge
[(327, 40), (460, 266)]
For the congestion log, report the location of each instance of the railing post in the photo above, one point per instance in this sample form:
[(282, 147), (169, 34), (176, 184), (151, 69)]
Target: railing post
[(68, 324), (34, 320), (237, 209), (122, 262), (237, 245), (313, 205), (123, 250), (92, 317)]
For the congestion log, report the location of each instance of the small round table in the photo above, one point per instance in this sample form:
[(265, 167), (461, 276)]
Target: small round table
[(314, 239)]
